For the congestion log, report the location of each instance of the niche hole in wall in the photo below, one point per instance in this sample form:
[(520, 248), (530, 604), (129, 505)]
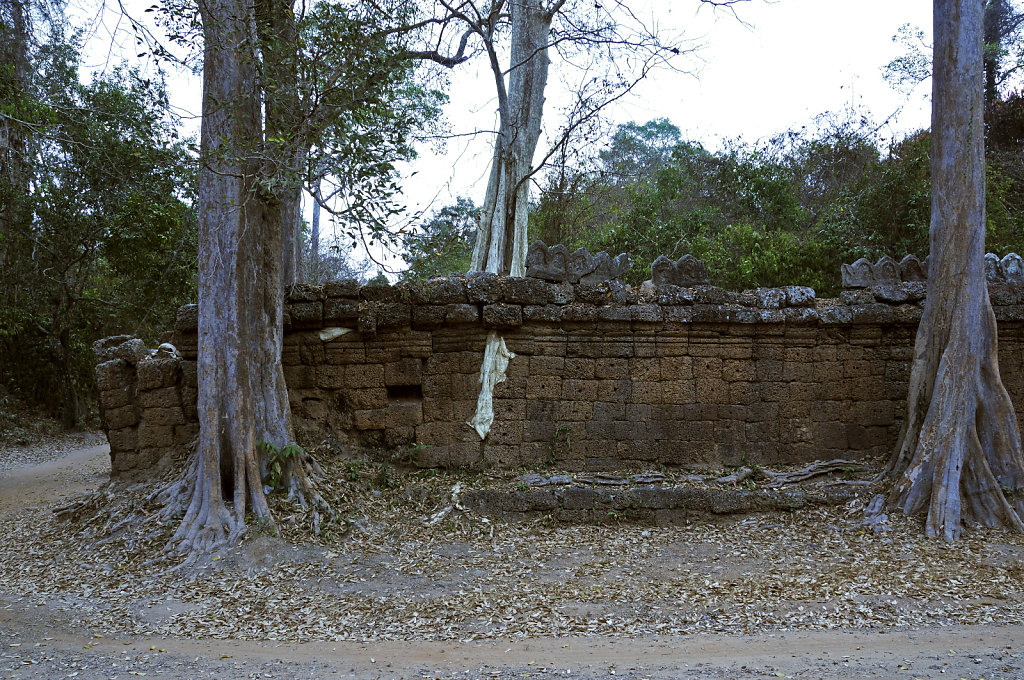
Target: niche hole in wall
[(404, 392)]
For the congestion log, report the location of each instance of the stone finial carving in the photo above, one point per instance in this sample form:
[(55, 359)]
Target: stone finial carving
[(992, 268), (911, 269), (863, 274), (887, 270), (607, 268), (558, 264), (1012, 268), (550, 264), (686, 272), (860, 274)]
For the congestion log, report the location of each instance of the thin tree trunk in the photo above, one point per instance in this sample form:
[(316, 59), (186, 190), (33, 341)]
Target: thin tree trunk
[(14, 145), (502, 240), (70, 403), (960, 444), (313, 267)]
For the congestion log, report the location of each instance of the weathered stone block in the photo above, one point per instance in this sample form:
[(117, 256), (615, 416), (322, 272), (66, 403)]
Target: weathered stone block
[(445, 290), (306, 314), (462, 314), (116, 398), (427, 316), (340, 310), (372, 419), (156, 372), (344, 288), (131, 350), (363, 399), (527, 291), (184, 434), (501, 315), (799, 296), (155, 436), (115, 374), (189, 373), (189, 401), (126, 439), (484, 287), (187, 319), (403, 414), (381, 292), (119, 418), (162, 416), (164, 397), (407, 371), (369, 375)]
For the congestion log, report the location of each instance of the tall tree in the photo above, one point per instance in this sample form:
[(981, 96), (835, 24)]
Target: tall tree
[(960, 445), (276, 85), (611, 48)]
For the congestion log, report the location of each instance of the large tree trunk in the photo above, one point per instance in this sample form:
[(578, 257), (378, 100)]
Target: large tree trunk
[(244, 223), (960, 444), (501, 237), (278, 35), (242, 398), (501, 241)]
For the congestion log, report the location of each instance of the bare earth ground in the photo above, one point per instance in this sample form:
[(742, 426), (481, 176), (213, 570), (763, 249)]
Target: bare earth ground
[(803, 595)]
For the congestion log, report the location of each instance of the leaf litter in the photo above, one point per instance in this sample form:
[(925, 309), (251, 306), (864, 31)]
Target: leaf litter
[(406, 561)]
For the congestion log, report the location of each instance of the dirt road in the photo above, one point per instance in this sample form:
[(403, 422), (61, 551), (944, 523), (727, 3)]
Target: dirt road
[(45, 637)]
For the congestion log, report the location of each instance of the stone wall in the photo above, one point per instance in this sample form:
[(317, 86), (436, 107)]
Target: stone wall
[(605, 376)]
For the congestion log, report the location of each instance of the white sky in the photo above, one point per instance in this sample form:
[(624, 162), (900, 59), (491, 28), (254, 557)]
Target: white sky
[(785, 63), (777, 67)]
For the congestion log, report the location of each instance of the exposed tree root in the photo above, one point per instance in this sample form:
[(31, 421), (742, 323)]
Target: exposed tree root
[(960, 447), (302, 473), (811, 471)]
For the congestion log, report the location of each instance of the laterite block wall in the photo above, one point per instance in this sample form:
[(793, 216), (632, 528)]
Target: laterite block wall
[(605, 376)]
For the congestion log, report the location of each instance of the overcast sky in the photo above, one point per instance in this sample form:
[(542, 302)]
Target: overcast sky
[(783, 63), (776, 67)]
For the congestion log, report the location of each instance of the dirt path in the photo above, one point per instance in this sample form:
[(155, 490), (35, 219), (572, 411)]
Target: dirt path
[(69, 475), (44, 639)]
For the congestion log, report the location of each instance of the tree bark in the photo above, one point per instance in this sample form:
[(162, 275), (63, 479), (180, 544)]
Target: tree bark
[(501, 242), (960, 445), (278, 35), (242, 398)]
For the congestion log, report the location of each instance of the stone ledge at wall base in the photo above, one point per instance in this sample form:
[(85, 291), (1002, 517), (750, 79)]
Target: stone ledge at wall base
[(147, 404), (660, 505), (606, 376)]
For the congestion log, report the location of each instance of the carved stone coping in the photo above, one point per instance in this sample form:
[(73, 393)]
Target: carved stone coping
[(863, 274), (685, 272), (558, 265)]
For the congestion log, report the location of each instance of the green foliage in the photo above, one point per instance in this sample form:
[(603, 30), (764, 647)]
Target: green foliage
[(444, 244), (98, 235), (276, 462), (789, 210), (365, 106), (409, 455)]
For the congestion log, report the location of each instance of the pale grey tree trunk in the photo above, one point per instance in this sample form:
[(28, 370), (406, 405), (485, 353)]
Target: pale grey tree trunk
[(501, 239), (242, 398), (960, 444)]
